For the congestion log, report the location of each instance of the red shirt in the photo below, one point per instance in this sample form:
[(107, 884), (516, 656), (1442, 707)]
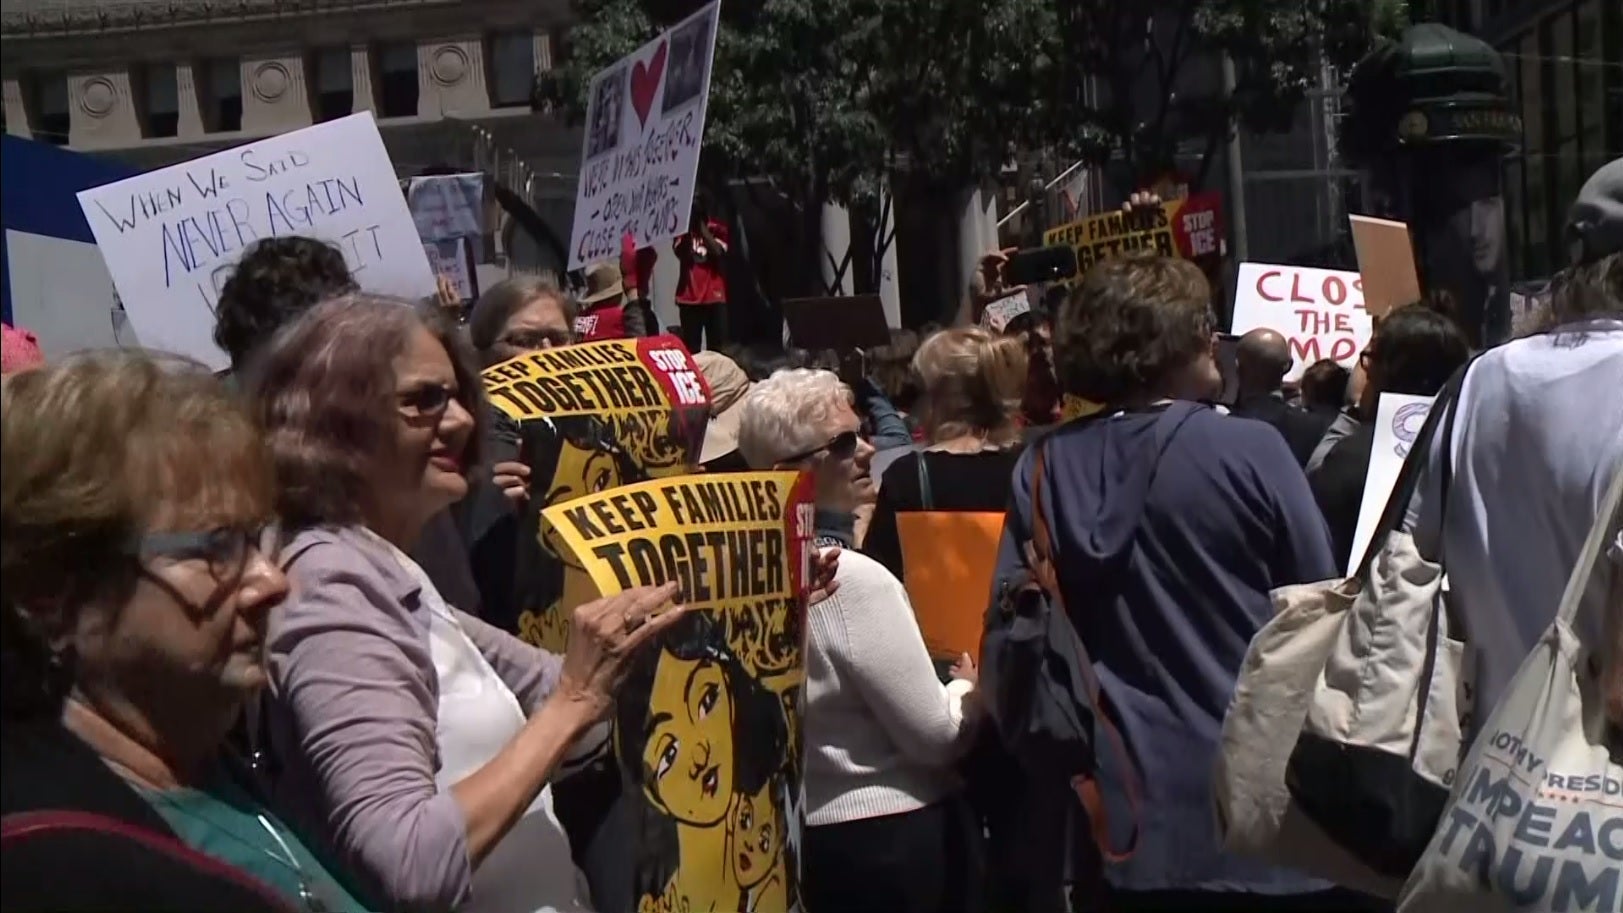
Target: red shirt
[(701, 280), (604, 321)]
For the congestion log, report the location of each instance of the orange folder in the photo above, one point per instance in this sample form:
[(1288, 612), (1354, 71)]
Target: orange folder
[(948, 558)]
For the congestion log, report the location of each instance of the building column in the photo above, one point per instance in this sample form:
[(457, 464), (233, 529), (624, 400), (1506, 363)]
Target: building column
[(971, 244), (360, 78), (17, 123), (191, 115)]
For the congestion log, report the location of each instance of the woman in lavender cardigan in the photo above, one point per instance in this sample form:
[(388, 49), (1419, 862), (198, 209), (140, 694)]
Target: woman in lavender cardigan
[(412, 739)]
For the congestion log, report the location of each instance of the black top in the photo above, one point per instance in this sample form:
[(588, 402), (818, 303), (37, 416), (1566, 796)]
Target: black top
[(958, 481), (1300, 428), (111, 851), (1338, 486)]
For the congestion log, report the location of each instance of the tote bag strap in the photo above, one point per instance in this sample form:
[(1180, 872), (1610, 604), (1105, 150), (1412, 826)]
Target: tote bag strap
[(1605, 520), (926, 498)]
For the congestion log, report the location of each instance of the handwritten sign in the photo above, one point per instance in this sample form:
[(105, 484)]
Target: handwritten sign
[(640, 156), (591, 417), (707, 728), (453, 260), (170, 237), (1398, 420), (1189, 227), (998, 313), (1320, 311)]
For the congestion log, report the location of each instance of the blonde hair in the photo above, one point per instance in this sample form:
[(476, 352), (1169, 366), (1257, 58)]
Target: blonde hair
[(973, 380)]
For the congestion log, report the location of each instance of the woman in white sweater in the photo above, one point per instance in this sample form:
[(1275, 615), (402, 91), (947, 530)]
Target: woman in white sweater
[(888, 827)]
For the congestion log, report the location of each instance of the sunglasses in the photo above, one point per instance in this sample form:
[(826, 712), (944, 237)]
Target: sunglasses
[(841, 447), (428, 399)]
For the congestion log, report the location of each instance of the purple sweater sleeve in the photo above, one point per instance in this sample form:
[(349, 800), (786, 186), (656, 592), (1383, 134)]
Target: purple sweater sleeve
[(355, 703)]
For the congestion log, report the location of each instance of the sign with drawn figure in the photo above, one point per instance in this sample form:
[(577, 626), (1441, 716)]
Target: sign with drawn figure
[(707, 727), (591, 417), (1398, 420), (640, 155), (1190, 227), (171, 237), (1319, 311)]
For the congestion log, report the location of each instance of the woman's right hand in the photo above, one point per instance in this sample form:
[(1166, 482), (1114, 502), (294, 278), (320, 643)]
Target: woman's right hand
[(604, 636), (964, 669)]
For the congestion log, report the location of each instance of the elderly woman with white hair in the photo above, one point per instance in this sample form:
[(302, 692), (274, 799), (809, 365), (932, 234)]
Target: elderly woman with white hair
[(888, 826)]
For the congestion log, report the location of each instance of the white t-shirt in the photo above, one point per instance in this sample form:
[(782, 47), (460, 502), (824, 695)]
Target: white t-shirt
[(1538, 435), (531, 869)]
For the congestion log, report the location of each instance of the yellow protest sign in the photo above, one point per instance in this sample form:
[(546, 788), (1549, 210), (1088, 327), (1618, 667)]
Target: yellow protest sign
[(1189, 227), (590, 418), (707, 727)]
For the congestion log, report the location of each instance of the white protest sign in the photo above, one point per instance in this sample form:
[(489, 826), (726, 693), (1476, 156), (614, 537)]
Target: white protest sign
[(1398, 420), (1320, 311), (640, 155), (170, 237), (998, 313)]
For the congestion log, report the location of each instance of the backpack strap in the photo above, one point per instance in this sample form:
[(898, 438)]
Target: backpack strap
[(1041, 557)]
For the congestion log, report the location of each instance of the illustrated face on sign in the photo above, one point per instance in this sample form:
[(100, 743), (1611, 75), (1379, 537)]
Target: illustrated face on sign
[(759, 636), (580, 471), (646, 438), (757, 837), (688, 758)]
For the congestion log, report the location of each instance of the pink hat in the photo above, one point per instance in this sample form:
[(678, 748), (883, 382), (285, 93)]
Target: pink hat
[(19, 350)]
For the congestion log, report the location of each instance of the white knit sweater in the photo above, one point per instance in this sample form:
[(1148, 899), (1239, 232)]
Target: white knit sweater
[(882, 732)]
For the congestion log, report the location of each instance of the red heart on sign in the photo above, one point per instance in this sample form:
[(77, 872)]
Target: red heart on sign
[(644, 82)]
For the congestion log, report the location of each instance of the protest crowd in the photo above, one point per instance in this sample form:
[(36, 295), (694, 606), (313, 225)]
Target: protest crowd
[(530, 606)]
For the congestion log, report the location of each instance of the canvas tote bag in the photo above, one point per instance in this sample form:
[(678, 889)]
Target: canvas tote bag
[(1535, 819), (1378, 637)]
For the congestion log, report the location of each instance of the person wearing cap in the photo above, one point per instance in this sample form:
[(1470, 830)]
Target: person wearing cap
[(1537, 437), (603, 312), (728, 387)]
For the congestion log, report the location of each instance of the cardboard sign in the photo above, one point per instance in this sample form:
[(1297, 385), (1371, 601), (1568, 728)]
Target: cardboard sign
[(171, 237), (640, 154), (949, 558), (998, 313), (1398, 420), (707, 727), (1320, 311), (590, 417), (1386, 262), (1190, 227), (841, 323)]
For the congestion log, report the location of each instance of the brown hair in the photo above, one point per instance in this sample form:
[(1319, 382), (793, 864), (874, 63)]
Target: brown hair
[(98, 449), (972, 380), (1130, 324), (325, 393), (496, 307), (1588, 290)]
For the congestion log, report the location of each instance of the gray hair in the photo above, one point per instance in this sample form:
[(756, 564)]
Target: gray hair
[(787, 414)]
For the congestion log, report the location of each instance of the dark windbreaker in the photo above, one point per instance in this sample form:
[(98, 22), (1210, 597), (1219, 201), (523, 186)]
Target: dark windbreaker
[(1166, 546)]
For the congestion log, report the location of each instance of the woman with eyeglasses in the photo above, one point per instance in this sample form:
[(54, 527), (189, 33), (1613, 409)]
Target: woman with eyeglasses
[(888, 826), (414, 739), (137, 593)]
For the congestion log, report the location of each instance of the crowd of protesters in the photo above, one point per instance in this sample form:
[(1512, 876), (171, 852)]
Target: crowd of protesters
[(245, 666)]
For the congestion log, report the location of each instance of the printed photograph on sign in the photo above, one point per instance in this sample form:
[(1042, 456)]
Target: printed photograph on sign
[(587, 419), (608, 99), (707, 727), (690, 59)]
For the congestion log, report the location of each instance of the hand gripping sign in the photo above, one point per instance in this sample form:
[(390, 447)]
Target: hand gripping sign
[(585, 419), (707, 727)]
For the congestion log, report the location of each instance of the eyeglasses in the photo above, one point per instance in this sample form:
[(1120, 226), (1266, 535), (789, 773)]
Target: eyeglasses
[(841, 447), (427, 399), (225, 548), (531, 340)]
